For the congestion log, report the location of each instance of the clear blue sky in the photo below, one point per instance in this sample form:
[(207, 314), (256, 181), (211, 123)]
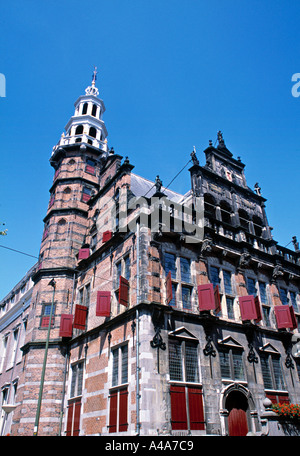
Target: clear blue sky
[(171, 73)]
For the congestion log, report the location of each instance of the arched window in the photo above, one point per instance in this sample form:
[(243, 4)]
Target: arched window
[(244, 219), (61, 227), (225, 212), (257, 223), (209, 205), (93, 132), (84, 108), (94, 110), (79, 130)]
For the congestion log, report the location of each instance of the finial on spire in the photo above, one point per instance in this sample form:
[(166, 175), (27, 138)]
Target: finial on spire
[(92, 90), (94, 75)]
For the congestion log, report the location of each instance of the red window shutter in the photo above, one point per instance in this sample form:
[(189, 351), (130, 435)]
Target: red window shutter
[(293, 318), (196, 409), (283, 398), (206, 297), (85, 197), (217, 299), (66, 321), (258, 309), (178, 407), (283, 317), (123, 291), (113, 406), (247, 307), (45, 322), (70, 419), (169, 288), (103, 304), (106, 236), (83, 254), (90, 169), (123, 405), (80, 317), (76, 425)]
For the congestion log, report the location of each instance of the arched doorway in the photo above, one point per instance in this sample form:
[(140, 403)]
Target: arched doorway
[(237, 405)]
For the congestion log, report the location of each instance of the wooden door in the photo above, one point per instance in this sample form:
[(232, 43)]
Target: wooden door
[(237, 422)]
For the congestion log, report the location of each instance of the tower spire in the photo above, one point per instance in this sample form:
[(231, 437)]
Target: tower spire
[(94, 76)]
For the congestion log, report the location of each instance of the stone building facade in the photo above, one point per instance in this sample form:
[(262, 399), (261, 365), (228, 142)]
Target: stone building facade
[(167, 314)]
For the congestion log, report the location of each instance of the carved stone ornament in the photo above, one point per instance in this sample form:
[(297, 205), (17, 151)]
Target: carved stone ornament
[(244, 260), (206, 247), (277, 272)]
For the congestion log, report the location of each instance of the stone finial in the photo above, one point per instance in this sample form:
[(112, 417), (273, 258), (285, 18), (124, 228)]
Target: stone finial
[(194, 157)]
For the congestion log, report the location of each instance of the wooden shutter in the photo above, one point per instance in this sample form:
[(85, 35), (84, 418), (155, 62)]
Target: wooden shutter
[(178, 408), (247, 307), (123, 405), (106, 236), (293, 318), (73, 419), (66, 321), (113, 406), (285, 317), (258, 309), (206, 297), (83, 254), (76, 422), (169, 288), (80, 317), (103, 304), (123, 291), (196, 409), (90, 169), (70, 419), (217, 299)]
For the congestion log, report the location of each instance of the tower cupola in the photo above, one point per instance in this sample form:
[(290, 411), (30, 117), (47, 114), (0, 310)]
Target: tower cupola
[(86, 125)]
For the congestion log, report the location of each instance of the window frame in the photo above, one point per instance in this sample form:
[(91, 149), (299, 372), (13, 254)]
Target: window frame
[(179, 286), (182, 343), (231, 352), (229, 297), (270, 357)]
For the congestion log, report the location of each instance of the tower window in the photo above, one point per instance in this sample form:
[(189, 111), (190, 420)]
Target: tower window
[(84, 109), (94, 110), (79, 130), (93, 132)]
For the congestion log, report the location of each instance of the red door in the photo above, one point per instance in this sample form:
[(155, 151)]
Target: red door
[(237, 422)]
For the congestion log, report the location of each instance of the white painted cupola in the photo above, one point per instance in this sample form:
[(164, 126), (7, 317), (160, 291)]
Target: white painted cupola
[(86, 125)]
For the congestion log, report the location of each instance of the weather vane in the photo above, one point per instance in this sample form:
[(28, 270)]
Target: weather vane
[(94, 75)]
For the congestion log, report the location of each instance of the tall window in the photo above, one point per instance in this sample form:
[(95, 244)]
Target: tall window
[(119, 392), (4, 343), (183, 361), (223, 279), (84, 295), (186, 399), (45, 317), (74, 403), (182, 288), (251, 286), (283, 296), (272, 373), (77, 380), (231, 364)]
